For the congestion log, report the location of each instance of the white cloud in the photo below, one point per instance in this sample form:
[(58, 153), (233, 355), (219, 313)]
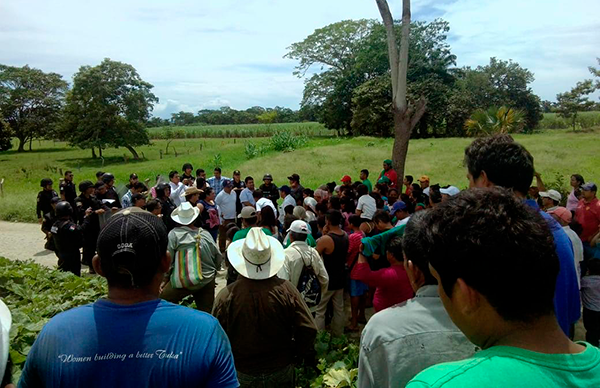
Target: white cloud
[(205, 53)]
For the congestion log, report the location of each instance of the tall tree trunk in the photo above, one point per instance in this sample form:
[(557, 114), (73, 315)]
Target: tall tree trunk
[(133, 152), (100, 151), (30, 141), (405, 117), (22, 142), (93, 153)]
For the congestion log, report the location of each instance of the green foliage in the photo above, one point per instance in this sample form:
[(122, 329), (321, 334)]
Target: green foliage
[(284, 141), (30, 102), (252, 150), (5, 135), (337, 363), (584, 120), (570, 103), (494, 121), (217, 161), (34, 294), (237, 131), (372, 108), (560, 184), (108, 106), (267, 118)]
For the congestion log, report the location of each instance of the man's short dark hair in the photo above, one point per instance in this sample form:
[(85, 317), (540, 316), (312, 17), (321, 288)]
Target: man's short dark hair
[(251, 221), (334, 217), (172, 174), (382, 216), (218, 169), (257, 194), (289, 209), (152, 205), (199, 171), (435, 195), (394, 246), (186, 166), (506, 163), (136, 197), (298, 236), (130, 247), (248, 178), (68, 172), (308, 192), (415, 244), (410, 179), (366, 172), (99, 174), (362, 190), (499, 246), (355, 220), (140, 186)]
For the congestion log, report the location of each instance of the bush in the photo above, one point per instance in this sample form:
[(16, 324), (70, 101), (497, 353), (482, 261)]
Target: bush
[(285, 141)]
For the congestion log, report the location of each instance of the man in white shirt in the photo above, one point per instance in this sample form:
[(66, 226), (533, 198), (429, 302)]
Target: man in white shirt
[(366, 206), (262, 202), (177, 188), (299, 254), (246, 195), (400, 211), (284, 193), (564, 218), (226, 203), (402, 340)]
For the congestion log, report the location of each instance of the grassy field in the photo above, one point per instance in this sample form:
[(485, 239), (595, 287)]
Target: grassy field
[(322, 160), (237, 131)]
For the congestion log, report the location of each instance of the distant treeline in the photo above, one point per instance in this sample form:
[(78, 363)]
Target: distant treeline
[(226, 115)]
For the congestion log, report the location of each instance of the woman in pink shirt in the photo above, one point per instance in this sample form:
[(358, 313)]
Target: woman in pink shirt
[(392, 283), (575, 195)]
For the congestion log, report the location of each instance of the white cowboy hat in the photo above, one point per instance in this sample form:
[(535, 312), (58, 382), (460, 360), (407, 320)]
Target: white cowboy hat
[(257, 257), (185, 213), (5, 323)]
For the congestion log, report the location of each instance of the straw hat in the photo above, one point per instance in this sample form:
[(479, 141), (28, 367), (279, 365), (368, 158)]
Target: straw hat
[(257, 257), (185, 213)]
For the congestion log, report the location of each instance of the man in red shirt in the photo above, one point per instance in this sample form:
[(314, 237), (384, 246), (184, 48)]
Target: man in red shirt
[(389, 172), (588, 216)]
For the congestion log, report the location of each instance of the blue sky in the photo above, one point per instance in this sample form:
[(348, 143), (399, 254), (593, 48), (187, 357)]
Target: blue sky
[(210, 53)]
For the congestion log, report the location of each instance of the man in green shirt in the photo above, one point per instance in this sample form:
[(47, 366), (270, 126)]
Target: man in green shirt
[(364, 177), (249, 219), (496, 266)]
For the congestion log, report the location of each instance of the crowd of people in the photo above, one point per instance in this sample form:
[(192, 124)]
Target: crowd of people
[(471, 288)]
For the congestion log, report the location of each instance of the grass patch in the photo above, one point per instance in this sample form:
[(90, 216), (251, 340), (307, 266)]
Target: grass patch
[(321, 160), (238, 130)]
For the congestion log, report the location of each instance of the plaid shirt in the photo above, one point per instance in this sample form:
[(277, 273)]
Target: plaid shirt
[(216, 184)]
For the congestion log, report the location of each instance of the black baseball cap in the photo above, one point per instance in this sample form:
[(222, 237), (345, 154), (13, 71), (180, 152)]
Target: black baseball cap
[(84, 185), (294, 177), (131, 246)]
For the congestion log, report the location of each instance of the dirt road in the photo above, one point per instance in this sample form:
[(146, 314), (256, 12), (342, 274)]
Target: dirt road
[(23, 241)]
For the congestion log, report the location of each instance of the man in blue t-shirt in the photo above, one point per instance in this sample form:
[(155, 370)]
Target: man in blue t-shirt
[(132, 338), (500, 161)]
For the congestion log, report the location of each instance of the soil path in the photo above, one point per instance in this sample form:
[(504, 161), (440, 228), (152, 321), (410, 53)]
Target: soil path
[(24, 241)]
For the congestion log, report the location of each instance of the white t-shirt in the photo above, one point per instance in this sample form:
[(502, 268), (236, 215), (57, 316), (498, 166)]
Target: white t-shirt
[(227, 204), (590, 292), (262, 202), (367, 206), (577, 250)]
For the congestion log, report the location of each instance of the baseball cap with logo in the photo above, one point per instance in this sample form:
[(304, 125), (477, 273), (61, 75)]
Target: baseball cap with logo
[(247, 212), (552, 194), (398, 205), (227, 183), (294, 177), (299, 226), (131, 246), (590, 186)]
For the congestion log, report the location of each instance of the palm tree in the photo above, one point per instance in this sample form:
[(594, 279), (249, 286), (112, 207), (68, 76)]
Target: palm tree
[(495, 120)]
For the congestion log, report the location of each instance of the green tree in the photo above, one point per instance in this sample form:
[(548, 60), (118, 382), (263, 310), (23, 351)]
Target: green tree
[(108, 106), (268, 117), (494, 121), (5, 135), (568, 104), (30, 102), (182, 118)]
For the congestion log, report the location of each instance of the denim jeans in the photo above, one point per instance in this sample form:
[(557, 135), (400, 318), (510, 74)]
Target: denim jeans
[(284, 378)]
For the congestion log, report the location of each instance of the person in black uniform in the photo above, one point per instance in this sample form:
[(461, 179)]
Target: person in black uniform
[(84, 202), (68, 238), (49, 220), (163, 193), (67, 189), (187, 178), (44, 199), (111, 193), (269, 189), (133, 179)]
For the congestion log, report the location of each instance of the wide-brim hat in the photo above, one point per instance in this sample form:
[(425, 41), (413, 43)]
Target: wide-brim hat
[(257, 256), (185, 213), (192, 190)]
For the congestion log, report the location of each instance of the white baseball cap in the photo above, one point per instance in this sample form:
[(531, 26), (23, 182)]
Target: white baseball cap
[(299, 226), (552, 194), (451, 191)]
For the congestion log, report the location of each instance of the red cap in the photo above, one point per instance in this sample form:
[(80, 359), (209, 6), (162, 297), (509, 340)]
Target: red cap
[(346, 178)]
